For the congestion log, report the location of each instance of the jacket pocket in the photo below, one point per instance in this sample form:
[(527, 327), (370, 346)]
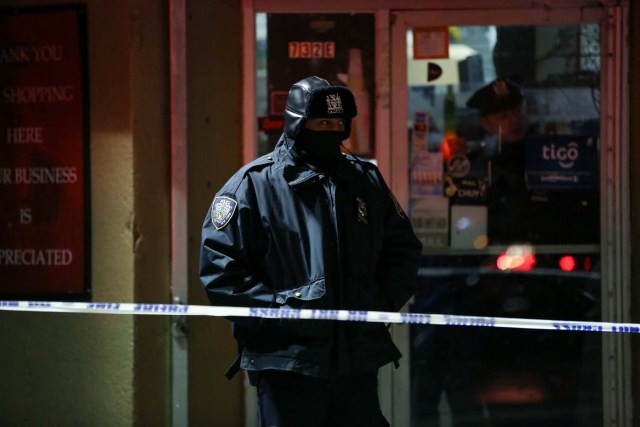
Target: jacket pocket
[(309, 296), (302, 296)]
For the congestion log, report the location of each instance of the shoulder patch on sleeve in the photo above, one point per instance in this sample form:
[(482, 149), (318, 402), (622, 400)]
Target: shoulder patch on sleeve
[(222, 211), (399, 210)]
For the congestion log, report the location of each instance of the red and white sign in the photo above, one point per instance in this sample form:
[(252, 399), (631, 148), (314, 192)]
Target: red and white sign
[(43, 152)]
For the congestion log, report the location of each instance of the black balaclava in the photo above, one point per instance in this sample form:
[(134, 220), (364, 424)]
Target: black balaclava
[(323, 146), (314, 97)]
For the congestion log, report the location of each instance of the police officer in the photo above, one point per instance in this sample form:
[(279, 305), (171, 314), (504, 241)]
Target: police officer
[(512, 209), (501, 108), (517, 213), (306, 227)]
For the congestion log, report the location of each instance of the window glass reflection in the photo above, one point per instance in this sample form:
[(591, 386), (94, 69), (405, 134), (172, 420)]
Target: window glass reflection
[(504, 195)]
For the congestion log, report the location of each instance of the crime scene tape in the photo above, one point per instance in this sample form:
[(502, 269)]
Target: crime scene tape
[(309, 314)]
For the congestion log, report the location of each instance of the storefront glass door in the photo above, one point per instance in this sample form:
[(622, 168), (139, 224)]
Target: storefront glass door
[(499, 160), (518, 208)]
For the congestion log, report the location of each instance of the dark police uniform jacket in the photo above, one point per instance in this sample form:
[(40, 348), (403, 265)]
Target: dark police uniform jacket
[(298, 238), (518, 214)]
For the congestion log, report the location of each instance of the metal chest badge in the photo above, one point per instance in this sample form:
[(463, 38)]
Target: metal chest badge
[(362, 211), (222, 211), (396, 203)]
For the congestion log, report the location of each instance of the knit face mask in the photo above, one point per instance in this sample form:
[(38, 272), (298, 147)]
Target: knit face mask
[(320, 145)]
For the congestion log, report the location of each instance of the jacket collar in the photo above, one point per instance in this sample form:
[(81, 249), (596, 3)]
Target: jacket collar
[(296, 172)]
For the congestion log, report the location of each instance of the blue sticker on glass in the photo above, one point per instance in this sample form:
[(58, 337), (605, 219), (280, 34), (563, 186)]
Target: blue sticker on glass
[(222, 211)]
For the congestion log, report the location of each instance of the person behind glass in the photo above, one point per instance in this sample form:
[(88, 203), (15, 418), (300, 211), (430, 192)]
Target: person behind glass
[(306, 227), (511, 206), (517, 213)]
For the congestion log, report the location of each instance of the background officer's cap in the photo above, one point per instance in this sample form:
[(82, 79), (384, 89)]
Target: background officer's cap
[(500, 95)]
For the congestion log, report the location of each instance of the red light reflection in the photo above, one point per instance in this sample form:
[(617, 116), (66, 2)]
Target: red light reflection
[(518, 258), (567, 263)]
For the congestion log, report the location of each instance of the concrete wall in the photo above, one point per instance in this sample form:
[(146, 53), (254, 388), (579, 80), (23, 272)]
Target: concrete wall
[(214, 68), (150, 226), (104, 370), (115, 370)]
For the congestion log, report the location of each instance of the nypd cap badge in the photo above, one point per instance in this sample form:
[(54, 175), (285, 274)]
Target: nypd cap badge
[(334, 104), (222, 211)]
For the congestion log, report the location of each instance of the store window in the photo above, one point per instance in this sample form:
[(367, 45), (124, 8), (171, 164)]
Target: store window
[(504, 129), (508, 230), (336, 47)]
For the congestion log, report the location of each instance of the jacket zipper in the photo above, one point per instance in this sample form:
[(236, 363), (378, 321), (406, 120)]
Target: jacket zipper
[(334, 219)]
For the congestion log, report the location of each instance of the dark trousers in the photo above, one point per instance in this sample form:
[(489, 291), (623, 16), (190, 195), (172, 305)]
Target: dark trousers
[(287, 399)]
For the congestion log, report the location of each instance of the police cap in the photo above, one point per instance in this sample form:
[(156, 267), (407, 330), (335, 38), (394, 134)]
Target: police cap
[(314, 97), (500, 95)]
